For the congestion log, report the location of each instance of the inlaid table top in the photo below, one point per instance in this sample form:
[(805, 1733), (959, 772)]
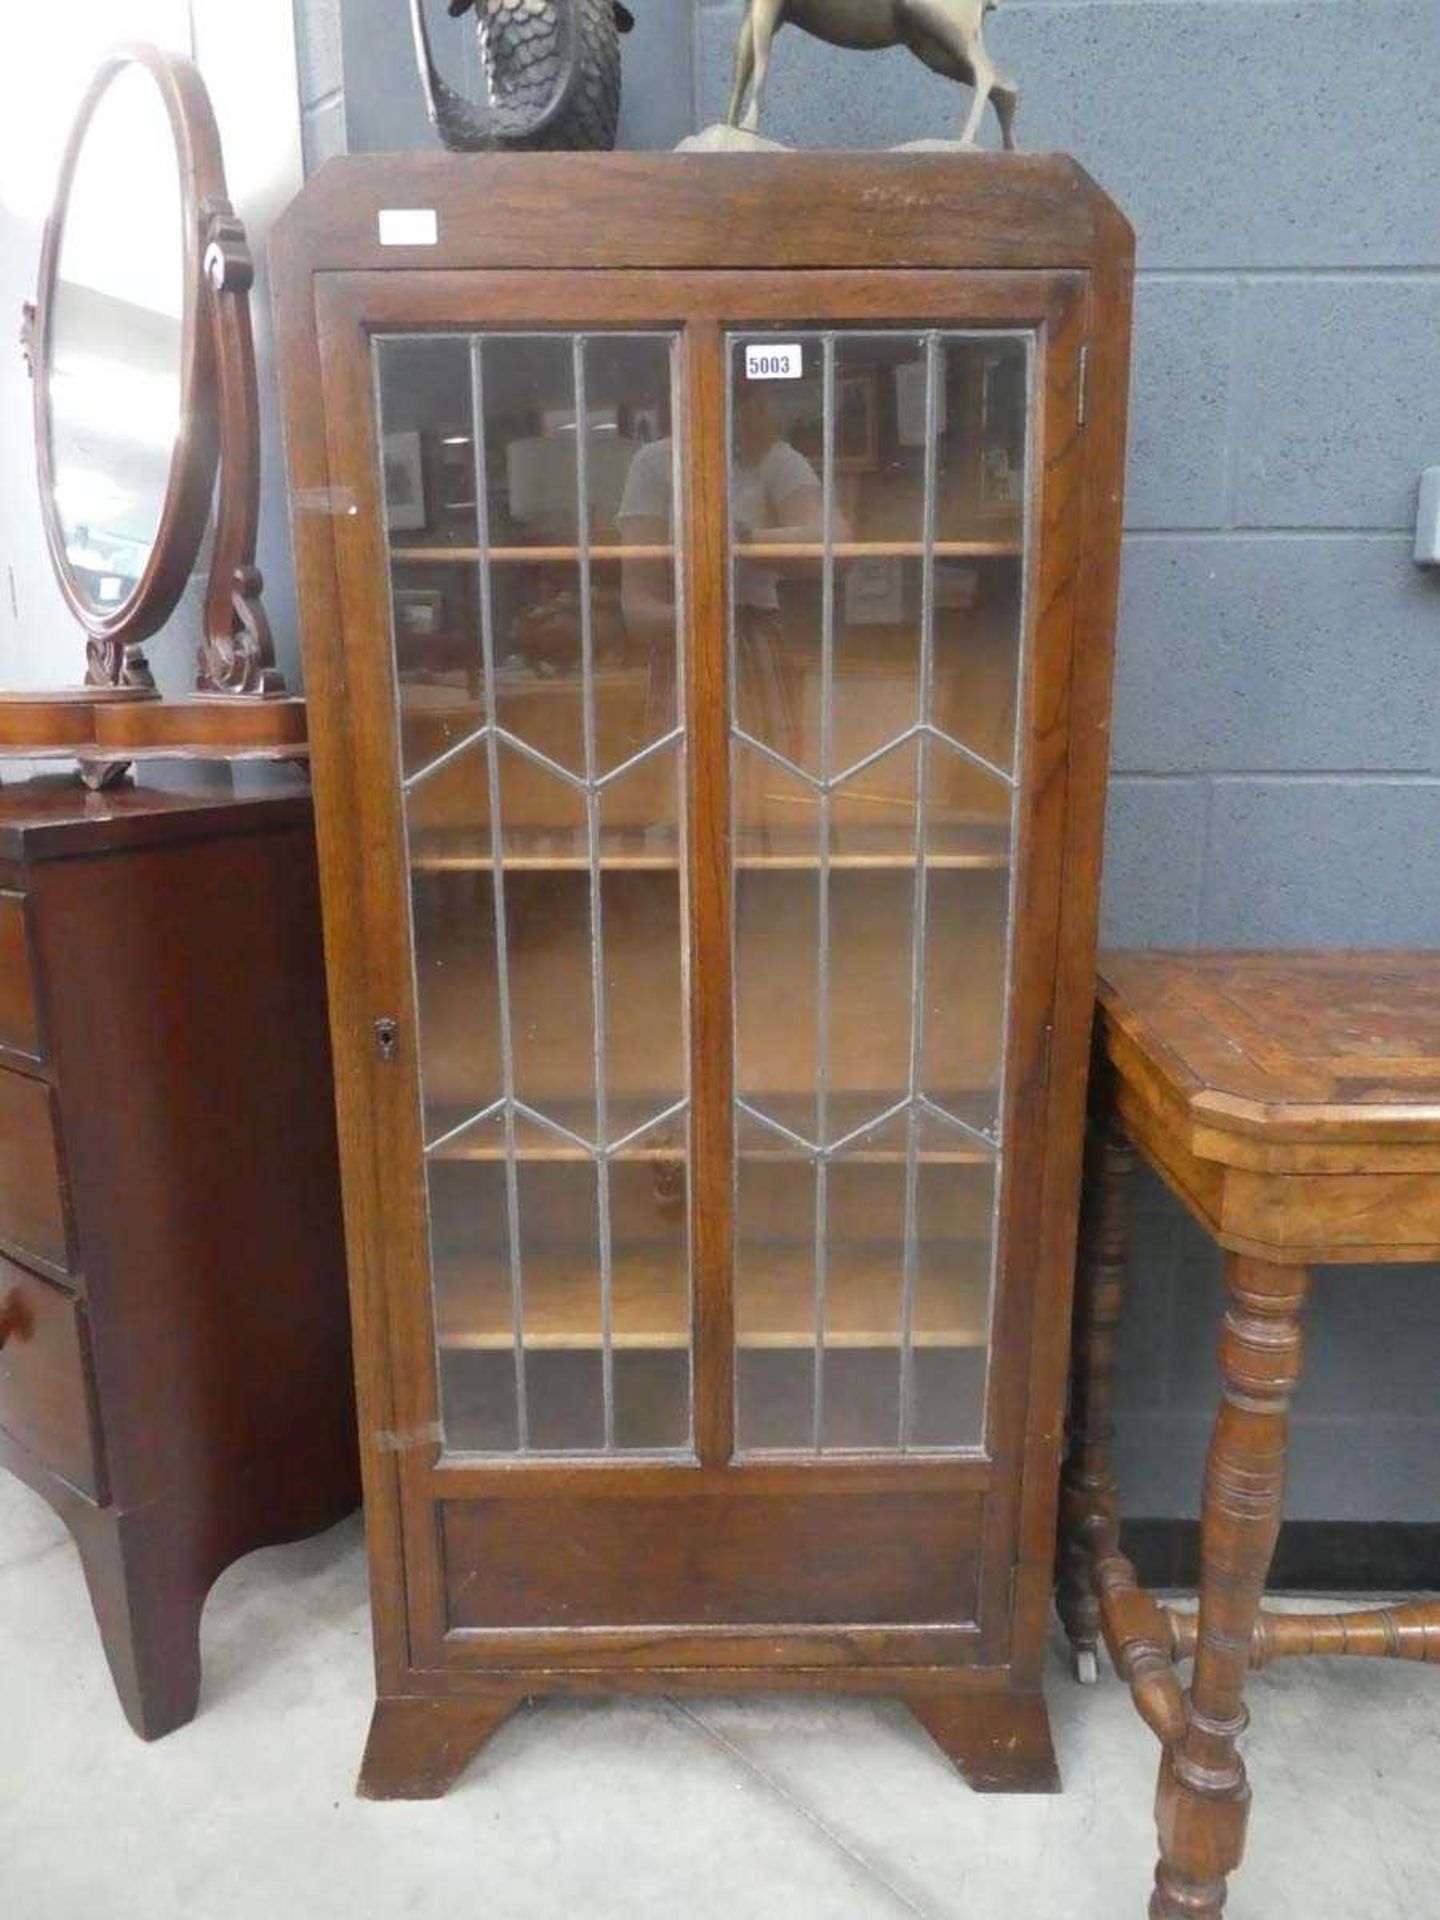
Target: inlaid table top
[(1273, 1089)]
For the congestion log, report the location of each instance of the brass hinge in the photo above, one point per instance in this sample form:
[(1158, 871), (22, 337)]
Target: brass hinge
[(1084, 401), (1047, 1047)]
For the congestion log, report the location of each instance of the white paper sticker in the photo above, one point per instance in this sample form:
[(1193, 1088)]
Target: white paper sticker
[(409, 227), (774, 363)]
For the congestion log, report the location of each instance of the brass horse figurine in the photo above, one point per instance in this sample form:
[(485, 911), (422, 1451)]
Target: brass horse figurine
[(948, 35)]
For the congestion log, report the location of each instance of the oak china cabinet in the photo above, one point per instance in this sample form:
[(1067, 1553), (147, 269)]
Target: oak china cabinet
[(708, 570)]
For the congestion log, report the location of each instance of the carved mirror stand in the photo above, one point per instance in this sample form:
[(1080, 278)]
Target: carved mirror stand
[(146, 416)]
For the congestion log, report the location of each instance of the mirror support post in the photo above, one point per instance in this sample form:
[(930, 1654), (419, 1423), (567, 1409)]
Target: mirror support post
[(237, 652)]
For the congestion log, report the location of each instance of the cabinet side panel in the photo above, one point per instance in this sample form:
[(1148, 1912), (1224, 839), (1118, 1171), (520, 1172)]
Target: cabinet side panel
[(1108, 331)]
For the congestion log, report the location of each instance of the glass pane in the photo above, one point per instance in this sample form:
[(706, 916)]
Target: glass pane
[(776, 1306), (631, 482), (476, 1302), (877, 522), (954, 1258), (531, 471), (544, 765), (548, 931), (563, 1294), (980, 479), (651, 1311), (983, 409), (428, 451), (876, 646), (453, 903), (776, 939), (865, 1290), (869, 986), (777, 455), (644, 988)]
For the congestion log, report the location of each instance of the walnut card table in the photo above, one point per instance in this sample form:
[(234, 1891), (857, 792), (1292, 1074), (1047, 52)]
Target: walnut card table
[(1292, 1101)]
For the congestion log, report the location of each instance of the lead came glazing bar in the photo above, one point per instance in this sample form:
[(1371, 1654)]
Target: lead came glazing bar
[(732, 679), (680, 587), (597, 924), (922, 889), (1017, 756), (822, 992), (502, 950), (450, 755)]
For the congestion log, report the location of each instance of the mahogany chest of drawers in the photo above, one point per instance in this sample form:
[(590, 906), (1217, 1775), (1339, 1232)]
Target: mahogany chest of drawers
[(174, 1339)]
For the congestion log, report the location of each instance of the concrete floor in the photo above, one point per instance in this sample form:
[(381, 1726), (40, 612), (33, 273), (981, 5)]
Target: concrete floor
[(729, 1810)]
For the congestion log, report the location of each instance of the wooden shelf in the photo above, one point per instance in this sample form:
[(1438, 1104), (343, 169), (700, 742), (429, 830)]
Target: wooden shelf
[(607, 551), (968, 847), (847, 1111), (536, 851), (1004, 549), (650, 1306), (538, 1145), (669, 1147), (978, 849), (1007, 548)]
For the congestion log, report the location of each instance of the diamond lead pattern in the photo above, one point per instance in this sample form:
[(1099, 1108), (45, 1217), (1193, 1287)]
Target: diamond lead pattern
[(880, 1012), (562, 796)]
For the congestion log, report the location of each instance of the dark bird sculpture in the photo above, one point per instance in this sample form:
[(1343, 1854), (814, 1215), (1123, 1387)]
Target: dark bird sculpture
[(552, 73)]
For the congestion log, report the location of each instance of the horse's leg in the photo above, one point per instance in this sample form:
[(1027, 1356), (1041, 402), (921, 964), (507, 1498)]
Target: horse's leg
[(744, 67), (1006, 101), (946, 36), (983, 81), (970, 131), (765, 16)]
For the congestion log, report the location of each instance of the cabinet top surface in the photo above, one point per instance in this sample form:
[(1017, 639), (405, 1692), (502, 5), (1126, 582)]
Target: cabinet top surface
[(1319, 1045), (897, 209), (55, 816)]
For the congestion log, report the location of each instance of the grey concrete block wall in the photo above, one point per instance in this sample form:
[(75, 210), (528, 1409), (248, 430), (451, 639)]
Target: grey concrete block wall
[(1255, 652), (322, 94), (1333, 436), (1180, 403), (1277, 738)]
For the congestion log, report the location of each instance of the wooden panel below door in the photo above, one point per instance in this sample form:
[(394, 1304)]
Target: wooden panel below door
[(712, 1561)]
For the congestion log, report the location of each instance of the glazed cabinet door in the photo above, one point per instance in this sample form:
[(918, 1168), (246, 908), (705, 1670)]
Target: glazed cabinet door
[(707, 648), (534, 581), (877, 539)]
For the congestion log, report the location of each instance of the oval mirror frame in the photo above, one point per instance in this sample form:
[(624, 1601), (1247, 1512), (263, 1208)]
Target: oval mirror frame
[(184, 513)]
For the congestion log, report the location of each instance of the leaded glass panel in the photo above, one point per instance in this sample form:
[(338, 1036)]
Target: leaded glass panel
[(530, 488), (878, 487)]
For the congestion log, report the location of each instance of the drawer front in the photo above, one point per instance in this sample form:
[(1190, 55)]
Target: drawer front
[(32, 1205), (45, 1397), (19, 1028)]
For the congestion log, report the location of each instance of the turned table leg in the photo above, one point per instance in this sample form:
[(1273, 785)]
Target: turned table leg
[(1203, 1801), (1090, 1503)]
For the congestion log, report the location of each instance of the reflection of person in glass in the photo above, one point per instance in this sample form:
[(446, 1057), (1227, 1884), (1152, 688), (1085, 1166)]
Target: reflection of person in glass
[(776, 498)]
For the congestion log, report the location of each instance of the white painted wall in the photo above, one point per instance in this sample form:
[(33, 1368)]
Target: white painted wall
[(247, 54)]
